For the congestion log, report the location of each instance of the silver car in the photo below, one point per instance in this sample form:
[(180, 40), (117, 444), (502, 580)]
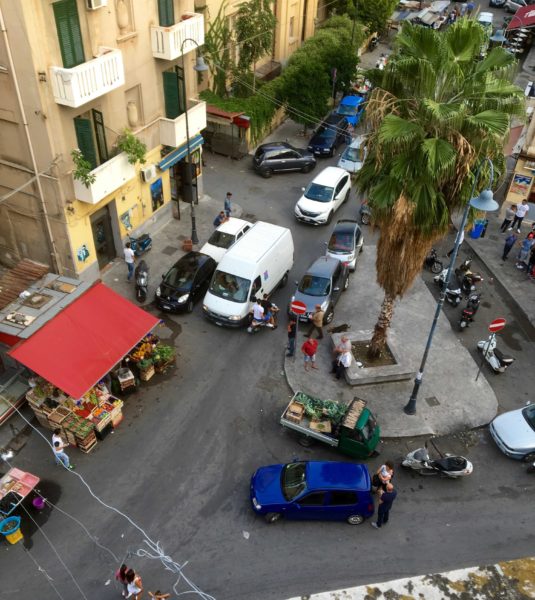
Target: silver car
[(346, 242), (514, 433)]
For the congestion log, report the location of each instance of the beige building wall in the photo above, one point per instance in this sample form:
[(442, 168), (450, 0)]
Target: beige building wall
[(31, 34)]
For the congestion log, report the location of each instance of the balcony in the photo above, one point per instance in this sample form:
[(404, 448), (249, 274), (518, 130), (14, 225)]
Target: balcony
[(173, 131), (109, 176), (167, 41), (92, 79)]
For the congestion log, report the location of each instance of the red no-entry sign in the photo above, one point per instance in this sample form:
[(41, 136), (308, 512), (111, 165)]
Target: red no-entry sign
[(298, 307), (497, 325)]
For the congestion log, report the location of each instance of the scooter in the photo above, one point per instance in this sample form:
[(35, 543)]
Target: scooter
[(468, 314), (141, 244), (142, 281), (453, 294), (432, 263), (257, 326), (365, 213), (449, 466), (373, 43), (498, 361)]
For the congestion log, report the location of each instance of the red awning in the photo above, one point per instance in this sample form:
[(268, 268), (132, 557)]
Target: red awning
[(85, 340), (524, 17)]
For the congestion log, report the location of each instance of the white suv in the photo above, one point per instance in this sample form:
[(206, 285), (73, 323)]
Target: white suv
[(323, 196), (225, 236)]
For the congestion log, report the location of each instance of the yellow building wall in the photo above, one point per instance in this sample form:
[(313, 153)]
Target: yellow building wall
[(133, 197), (520, 187)]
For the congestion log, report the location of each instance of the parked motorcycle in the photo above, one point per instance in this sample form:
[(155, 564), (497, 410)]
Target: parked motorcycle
[(453, 293), (373, 43), (365, 213), (141, 244), (449, 466), (468, 314), (142, 281), (432, 263), (497, 361)]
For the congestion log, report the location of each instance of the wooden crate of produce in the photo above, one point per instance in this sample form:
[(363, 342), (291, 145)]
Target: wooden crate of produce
[(86, 449), (162, 367), (146, 374), (295, 412), (323, 426)]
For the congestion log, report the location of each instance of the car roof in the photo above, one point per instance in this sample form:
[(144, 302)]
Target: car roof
[(194, 254), (357, 142), (346, 226), (329, 176), (333, 119), (324, 266), (337, 476), (352, 100), (233, 225)]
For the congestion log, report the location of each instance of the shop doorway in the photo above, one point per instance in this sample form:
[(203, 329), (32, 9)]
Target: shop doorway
[(103, 236)]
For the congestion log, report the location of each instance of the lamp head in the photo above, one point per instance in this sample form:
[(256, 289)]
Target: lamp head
[(200, 65), (484, 202), (498, 37)]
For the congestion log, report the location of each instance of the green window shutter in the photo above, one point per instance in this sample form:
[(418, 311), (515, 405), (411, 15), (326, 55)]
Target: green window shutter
[(166, 13), (100, 134), (69, 33), (84, 137), (174, 99)]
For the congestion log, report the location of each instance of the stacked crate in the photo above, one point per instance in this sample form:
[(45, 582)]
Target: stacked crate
[(79, 432)]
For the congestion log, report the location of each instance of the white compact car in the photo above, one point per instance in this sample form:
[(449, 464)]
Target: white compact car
[(224, 237), (323, 196)]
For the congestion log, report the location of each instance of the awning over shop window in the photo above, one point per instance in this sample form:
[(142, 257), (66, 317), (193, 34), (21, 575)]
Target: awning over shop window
[(524, 17), (173, 157), (84, 341)]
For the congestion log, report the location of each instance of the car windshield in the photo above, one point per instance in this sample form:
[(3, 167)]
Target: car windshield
[(293, 480), (347, 109), (315, 286), (222, 239), (341, 242), (325, 133), (230, 287), (529, 415), (320, 193), (180, 276), (352, 154)]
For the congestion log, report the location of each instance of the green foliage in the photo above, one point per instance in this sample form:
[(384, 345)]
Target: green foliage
[(255, 30), (82, 168), (135, 149), (376, 14), (216, 50)]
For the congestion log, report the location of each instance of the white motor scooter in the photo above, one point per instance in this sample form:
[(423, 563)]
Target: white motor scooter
[(449, 466), (498, 361)]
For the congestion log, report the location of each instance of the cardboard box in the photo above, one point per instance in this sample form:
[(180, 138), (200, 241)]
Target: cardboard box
[(295, 412)]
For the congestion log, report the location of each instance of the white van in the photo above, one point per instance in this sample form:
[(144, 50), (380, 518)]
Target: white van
[(256, 265), (224, 237)]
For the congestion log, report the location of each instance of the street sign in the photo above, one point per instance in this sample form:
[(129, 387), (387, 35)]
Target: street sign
[(298, 307), (497, 325)]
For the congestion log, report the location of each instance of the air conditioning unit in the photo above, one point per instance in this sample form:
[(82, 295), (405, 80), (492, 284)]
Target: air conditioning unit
[(148, 173), (94, 4)]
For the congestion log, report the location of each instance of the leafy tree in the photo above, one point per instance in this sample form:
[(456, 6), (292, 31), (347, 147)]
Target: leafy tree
[(255, 30), (435, 112), (217, 50), (376, 13)]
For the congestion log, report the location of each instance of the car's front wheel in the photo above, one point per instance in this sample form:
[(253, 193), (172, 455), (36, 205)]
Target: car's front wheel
[(190, 305), (307, 168), (267, 173), (272, 517), (329, 316), (355, 519), (346, 284), (329, 218), (529, 457)]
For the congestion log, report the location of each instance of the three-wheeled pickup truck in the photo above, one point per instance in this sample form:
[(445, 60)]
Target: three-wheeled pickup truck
[(351, 428)]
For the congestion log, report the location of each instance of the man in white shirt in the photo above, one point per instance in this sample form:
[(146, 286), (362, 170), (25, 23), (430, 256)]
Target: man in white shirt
[(129, 259), (342, 362), (521, 211), (59, 446), (258, 311)]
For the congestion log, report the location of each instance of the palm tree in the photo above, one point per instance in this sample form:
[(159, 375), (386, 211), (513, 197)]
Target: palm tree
[(435, 110)]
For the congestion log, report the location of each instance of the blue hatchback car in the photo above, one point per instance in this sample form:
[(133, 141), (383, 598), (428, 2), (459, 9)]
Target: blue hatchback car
[(352, 108), (314, 490)]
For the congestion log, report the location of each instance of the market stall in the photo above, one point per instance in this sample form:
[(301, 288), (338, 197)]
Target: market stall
[(15, 486)]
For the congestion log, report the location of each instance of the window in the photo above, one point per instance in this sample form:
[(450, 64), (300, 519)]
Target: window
[(173, 91), (313, 499), (84, 138), (343, 498), (257, 284), (69, 34), (230, 287), (166, 13), (291, 28)]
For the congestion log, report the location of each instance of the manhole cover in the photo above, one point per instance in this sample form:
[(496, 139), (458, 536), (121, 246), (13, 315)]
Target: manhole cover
[(169, 250), (432, 401)]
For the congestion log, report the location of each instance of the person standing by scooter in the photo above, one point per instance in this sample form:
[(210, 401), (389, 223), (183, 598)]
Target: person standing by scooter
[(129, 259), (386, 499)]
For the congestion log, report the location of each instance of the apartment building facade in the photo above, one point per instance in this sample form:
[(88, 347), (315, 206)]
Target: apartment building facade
[(74, 74)]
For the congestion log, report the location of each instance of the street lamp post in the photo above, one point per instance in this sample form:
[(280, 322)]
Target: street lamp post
[(200, 67), (483, 202)]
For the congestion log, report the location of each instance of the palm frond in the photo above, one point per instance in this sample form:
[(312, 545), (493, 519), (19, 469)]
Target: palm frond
[(398, 130)]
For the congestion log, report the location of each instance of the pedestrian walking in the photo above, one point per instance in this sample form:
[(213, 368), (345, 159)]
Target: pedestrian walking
[(227, 205), (317, 322), (134, 585), (386, 498), (58, 445), (292, 335), (521, 211), (221, 218), (120, 576), (510, 241), (309, 349), (341, 363), (510, 213), (129, 259), (524, 252), (461, 240), (382, 477)]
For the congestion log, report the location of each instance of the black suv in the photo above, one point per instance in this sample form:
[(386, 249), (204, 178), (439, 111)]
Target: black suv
[(277, 157), (332, 132)]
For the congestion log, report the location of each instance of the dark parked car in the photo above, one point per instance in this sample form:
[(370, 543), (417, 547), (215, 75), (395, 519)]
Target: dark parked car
[(324, 281), (185, 282), (329, 135), (279, 157), (315, 490)]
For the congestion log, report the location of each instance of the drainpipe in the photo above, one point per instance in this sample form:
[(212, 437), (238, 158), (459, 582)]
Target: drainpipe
[(50, 237)]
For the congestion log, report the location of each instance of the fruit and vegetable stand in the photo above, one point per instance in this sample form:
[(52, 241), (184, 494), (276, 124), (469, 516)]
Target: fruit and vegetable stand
[(15, 485)]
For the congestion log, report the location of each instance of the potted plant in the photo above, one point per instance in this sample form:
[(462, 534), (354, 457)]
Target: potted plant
[(82, 168), (134, 148)]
